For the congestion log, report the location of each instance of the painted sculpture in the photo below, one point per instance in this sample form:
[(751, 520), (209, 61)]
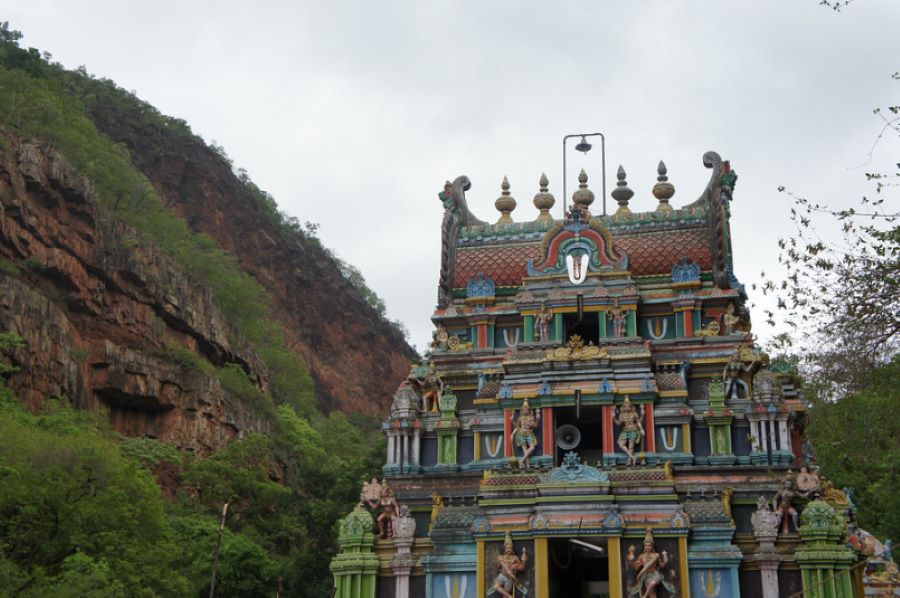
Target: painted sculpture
[(784, 505), (542, 324), (523, 435), (381, 496), (429, 385), (649, 566), (807, 482), (619, 318), (509, 566), (632, 431)]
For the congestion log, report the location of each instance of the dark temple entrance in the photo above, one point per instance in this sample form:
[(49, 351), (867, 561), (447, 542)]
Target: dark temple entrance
[(587, 326), (579, 568)]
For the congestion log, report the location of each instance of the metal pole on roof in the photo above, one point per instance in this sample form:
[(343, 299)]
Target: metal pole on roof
[(584, 147)]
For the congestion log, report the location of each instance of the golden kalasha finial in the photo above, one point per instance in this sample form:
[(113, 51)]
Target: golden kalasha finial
[(544, 200), (622, 193), (505, 204)]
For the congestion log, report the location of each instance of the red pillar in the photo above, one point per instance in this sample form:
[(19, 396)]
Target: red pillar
[(607, 429), (651, 433), (482, 336), (507, 431), (549, 440), (688, 322)]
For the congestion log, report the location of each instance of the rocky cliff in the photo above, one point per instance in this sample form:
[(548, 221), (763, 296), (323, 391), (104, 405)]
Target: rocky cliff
[(107, 318), (356, 359)]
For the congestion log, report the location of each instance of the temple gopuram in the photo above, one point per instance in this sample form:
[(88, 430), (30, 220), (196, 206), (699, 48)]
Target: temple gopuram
[(594, 420)]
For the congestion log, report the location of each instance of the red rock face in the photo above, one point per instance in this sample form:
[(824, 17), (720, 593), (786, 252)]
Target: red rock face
[(97, 311), (355, 358)]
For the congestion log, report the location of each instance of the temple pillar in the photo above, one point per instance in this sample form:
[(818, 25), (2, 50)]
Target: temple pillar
[(529, 329), (403, 562), (548, 442), (541, 568), (608, 442), (631, 322), (602, 324), (417, 445), (391, 440), (447, 429), (559, 326), (507, 432), (719, 419), (614, 550), (650, 438)]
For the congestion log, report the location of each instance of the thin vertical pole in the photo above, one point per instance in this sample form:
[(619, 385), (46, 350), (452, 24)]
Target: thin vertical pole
[(215, 567)]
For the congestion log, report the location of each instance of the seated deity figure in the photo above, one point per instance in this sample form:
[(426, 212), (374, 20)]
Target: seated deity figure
[(632, 431), (509, 566), (523, 433), (807, 483), (649, 565)]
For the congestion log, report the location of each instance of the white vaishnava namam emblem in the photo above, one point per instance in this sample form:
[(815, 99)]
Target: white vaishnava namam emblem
[(577, 267)]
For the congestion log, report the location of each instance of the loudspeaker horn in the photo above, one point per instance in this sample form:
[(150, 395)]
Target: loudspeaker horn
[(568, 437)]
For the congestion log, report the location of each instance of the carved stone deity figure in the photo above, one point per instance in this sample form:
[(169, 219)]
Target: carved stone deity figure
[(523, 432), (619, 319), (430, 386), (542, 324), (783, 504), (388, 515), (371, 493), (764, 520), (405, 526), (632, 432), (807, 482), (509, 565), (730, 320), (439, 338), (733, 376), (649, 565)]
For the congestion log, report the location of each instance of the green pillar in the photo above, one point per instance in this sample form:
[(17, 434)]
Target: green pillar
[(822, 555), (631, 323), (719, 419), (355, 567), (558, 327), (604, 315), (529, 329)]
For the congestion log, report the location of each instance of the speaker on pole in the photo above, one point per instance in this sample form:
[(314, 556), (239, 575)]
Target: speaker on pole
[(568, 437)]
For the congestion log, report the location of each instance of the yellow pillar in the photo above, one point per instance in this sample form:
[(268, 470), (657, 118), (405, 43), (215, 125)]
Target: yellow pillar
[(479, 569), (685, 580), (613, 547), (686, 435), (477, 440), (541, 568)]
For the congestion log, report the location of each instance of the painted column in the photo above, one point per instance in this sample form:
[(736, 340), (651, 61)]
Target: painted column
[(529, 329), (609, 451), (614, 549), (602, 319), (390, 449), (685, 575), (549, 441), (417, 446), (403, 562), (558, 328), (651, 431), (541, 568), (479, 566), (507, 432), (631, 323), (477, 440), (688, 315)]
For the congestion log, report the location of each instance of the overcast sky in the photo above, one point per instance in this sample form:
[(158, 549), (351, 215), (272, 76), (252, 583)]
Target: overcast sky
[(352, 114)]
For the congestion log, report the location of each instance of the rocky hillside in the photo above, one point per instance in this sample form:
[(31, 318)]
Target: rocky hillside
[(191, 334)]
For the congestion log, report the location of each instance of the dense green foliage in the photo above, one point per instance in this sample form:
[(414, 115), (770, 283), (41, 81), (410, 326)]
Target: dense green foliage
[(857, 442), (80, 510)]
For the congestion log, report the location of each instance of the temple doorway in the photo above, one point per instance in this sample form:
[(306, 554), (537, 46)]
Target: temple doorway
[(579, 430), (579, 567), (585, 324)]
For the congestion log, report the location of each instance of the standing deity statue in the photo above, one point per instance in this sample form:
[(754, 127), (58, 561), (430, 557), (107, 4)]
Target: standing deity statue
[(509, 565), (764, 521), (632, 431), (619, 319), (430, 386), (733, 375), (649, 565), (783, 504), (542, 324), (388, 515), (523, 432), (371, 493)]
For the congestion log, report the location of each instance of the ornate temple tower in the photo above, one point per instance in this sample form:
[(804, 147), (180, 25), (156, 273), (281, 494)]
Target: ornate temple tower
[(594, 420)]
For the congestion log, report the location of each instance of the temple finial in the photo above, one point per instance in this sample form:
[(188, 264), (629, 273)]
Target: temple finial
[(583, 197), (663, 190), (544, 200), (622, 193), (505, 204)]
